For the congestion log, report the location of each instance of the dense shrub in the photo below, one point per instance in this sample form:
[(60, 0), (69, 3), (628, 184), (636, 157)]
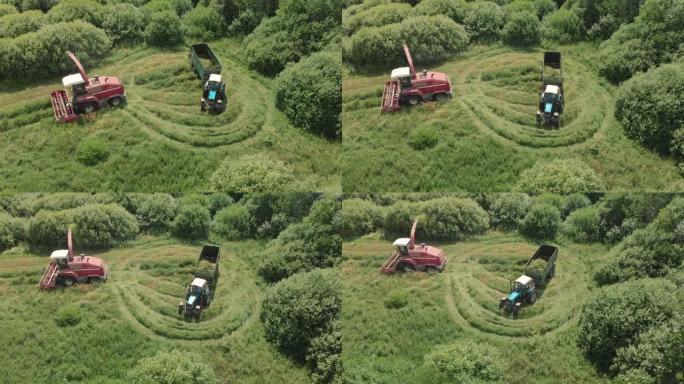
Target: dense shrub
[(272, 212), (67, 200), (40, 54), (48, 229), (539, 8), (179, 7), (68, 315), (15, 24), (602, 17), (7, 9), (360, 217), (172, 368), (310, 93), (507, 209), (324, 356), (203, 23), (191, 222), (124, 22), (583, 225), (299, 309), (650, 106), (423, 137), (378, 16), (563, 26), (100, 226), (71, 10), (522, 29), (396, 299), (552, 199), (11, 231), (622, 213), (541, 222), (454, 9), (573, 202), (252, 173), (466, 362), (430, 38), (560, 176), (615, 315), (234, 223), (92, 151), (164, 30), (450, 218), (484, 21), (398, 219), (633, 376), (154, 212)]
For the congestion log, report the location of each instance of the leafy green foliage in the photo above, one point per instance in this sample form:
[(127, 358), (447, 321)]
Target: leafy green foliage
[(124, 22), (583, 225), (203, 23), (310, 93), (467, 362), (601, 18), (484, 21), (191, 222), (539, 8), (92, 151), (251, 173), (234, 223), (449, 218), (615, 315), (563, 26), (15, 24), (573, 202), (541, 222), (360, 217), (650, 106), (154, 212), (7, 9), (324, 356), (11, 231), (300, 308), (71, 10), (179, 7), (172, 368), (522, 29), (378, 16), (164, 30), (560, 176), (68, 316), (396, 299), (430, 38), (423, 137), (507, 209), (101, 226), (634, 376), (453, 9)]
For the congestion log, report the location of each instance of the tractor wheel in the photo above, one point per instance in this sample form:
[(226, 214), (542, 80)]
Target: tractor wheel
[(68, 281), (115, 102), (94, 280), (90, 108), (441, 97), (404, 267), (532, 298), (413, 100), (198, 316)]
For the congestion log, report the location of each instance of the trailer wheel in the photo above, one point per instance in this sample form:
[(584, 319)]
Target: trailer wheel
[(115, 101), (90, 108), (94, 280)]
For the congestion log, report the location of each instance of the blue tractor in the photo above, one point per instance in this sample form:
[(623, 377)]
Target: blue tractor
[(214, 97), (523, 291), (539, 269)]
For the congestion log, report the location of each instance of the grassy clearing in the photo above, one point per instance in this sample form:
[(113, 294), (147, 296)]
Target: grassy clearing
[(386, 345), (160, 141), (134, 315), (488, 131)]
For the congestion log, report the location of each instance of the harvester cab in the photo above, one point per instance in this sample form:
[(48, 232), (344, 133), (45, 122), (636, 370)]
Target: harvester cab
[(409, 256), (214, 97), (522, 291), (408, 87), (551, 101)]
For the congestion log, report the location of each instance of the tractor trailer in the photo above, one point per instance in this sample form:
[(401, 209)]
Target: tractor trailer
[(538, 270), (551, 100), (200, 292)]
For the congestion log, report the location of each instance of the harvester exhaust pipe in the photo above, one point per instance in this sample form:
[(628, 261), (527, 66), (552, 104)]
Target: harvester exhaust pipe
[(412, 241), (409, 60), (82, 71), (70, 245)]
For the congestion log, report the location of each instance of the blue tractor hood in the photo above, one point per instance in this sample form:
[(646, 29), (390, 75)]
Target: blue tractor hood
[(212, 94), (191, 299), (513, 296), (548, 107)]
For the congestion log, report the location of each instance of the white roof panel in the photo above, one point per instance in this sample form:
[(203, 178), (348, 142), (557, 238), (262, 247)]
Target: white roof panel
[(401, 72), (402, 242), (59, 254), (552, 89), (215, 77), (199, 282), (70, 80), (523, 279)]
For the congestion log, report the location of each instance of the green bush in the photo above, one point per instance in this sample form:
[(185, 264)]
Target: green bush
[(583, 225), (191, 222), (573, 202), (101, 226), (12, 231), (252, 173), (398, 219), (454, 9), (541, 222), (553, 199), (92, 151), (507, 209), (179, 7), (124, 22), (430, 38), (466, 362), (377, 16), (172, 368), (324, 356), (423, 137), (396, 299), (154, 212), (614, 316), (450, 218), (71, 10), (633, 376), (539, 8), (360, 217), (310, 93), (563, 26), (234, 223), (68, 315), (650, 106), (622, 213), (300, 308), (15, 24), (484, 21), (560, 176), (7, 9), (522, 30), (164, 30), (203, 23), (48, 229)]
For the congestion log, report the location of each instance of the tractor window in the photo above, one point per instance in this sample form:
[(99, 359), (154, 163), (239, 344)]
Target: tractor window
[(403, 249), (62, 263), (405, 82)]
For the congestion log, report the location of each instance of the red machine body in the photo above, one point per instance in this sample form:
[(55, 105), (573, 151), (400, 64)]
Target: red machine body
[(408, 87), (409, 257), (88, 94), (66, 269)]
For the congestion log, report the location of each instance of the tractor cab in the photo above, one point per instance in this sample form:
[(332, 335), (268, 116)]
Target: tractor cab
[(402, 245), (551, 99), (403, 75), (197, 298), (61, 258)]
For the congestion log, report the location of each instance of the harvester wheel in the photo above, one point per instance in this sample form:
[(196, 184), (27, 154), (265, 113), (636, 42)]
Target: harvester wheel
[(404, 267), (430, 270), (414, 100), (68, 281), (94, 280), (115, 101), (441, 97), (90, 108)]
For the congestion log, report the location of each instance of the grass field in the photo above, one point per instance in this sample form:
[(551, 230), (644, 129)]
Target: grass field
[(387, 345), (134, 315), (160, 141), (488, 133)]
